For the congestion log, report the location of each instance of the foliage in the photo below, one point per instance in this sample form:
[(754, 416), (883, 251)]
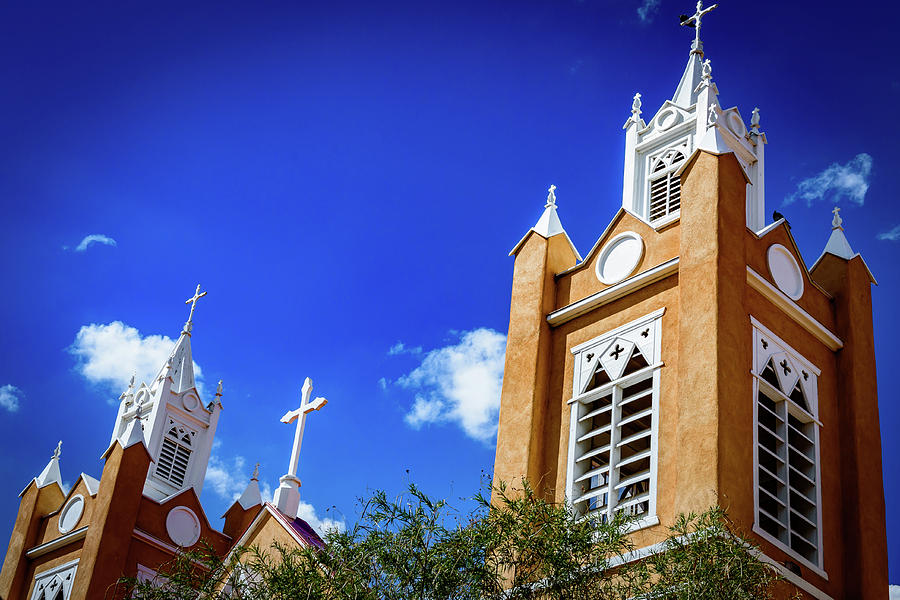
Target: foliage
[(515, 546)]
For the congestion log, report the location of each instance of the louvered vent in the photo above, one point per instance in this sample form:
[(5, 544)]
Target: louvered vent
[(665, 185), (174, 457)]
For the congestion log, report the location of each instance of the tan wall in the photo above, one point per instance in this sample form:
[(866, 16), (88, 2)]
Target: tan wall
[(49, 527)]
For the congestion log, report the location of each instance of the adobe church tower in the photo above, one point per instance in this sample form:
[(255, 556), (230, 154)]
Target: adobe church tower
[(692, 359)]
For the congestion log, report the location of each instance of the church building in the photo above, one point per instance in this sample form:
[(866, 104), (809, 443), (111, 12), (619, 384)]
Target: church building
[(145, 507), (692, 359)]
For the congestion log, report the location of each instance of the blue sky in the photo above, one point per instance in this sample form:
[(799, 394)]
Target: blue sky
[(346, 180)]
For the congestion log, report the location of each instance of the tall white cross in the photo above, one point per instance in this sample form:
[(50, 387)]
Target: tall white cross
[(695, 19), (193, 302), (299, 415)]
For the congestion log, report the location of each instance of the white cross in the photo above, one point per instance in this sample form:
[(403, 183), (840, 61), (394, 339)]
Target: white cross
[(193, 302), (837, 221), (305, 407), (551, 197), (696, 18)]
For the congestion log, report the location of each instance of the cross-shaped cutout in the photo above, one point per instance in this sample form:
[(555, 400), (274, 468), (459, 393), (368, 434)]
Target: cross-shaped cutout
[(784, 366), (618, 350)]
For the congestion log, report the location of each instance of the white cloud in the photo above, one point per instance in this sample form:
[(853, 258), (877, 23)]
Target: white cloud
[(109, 354), (894, 592), (460, 383), (307, 512), (10, 396), (850, 181), (94, 238), (400, 348), (647, 9), (893, 235)]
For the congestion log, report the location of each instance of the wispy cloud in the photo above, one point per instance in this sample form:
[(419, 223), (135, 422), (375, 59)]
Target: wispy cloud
[(647, 10), (893, 235), (89, 240), (401, 348), (848, 181), (10, 397), (460, 383), (109, 354)]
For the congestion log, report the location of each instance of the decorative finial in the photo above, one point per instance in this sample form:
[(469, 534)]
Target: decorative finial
[(694, 21), (551, 197), (754, 120), (707, 70), (128, 392), (193, 302), (837, 221), (255, 476), (712, 116), (219, 388), (58, 450), (636, 106)]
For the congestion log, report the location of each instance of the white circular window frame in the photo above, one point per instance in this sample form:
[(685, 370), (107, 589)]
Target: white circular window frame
[(628, 269), (785, 271), (175, 527), (76, 502), (190, 402)]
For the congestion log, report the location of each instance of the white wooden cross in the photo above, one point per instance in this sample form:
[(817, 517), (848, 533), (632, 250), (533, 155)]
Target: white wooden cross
[(299, 415), (696, 18)]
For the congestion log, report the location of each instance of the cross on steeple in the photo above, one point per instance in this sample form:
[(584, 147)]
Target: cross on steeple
[(193, 302), (58, 450), (694, 21), (299, 415), (837, 221), (551, 197)]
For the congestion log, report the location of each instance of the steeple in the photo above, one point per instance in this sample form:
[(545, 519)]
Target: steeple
[(837, 243), (251, 496), (657, 152), (51, 473), (168, 415), (549, 224)]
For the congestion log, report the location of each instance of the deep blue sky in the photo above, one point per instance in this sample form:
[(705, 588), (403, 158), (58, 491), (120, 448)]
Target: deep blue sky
[(344, 176)]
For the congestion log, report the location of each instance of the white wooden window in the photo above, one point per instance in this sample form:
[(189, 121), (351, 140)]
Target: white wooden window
[(786, 428), (614, 421), (55, 583), (175, 453), (665, 184)]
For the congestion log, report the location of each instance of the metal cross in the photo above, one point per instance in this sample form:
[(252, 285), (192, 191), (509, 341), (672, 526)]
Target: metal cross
[(695, 19), (193, 302), (299, 415)]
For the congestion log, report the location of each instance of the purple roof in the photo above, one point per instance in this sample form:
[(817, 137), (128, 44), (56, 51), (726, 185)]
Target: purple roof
[(300, 527)]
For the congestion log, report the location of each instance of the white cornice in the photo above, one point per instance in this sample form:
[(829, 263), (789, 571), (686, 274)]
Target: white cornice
[(614, 292), (793, 310), (63, 540)]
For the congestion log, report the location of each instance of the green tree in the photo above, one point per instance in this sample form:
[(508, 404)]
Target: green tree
[(517, 546)]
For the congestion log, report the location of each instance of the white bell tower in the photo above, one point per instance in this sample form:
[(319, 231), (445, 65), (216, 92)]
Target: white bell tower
[(693, 119), (178, 427)]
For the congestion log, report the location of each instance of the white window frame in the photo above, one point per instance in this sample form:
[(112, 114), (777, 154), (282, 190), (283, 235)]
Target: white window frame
[(667, 174), (633, 329), (647, 153), (66, 574), (761, 357)]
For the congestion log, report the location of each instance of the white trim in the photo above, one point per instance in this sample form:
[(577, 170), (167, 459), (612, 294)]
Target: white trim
[(609, 246), (791, 309), (818, 569), (792, 577), (72, 566), (614, 292), (154, 541), (652, 316), (64, 511), (59, 542)]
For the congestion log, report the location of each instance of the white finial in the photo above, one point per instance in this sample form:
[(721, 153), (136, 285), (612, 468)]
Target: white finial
[(58, 450), (694, 21), (712, 116), (193, 302), (636, 106), (287, 496), (754, 120), (128, 392), (707, 70), (219, 388), (255, 475), (551, 197), (837, 221)]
